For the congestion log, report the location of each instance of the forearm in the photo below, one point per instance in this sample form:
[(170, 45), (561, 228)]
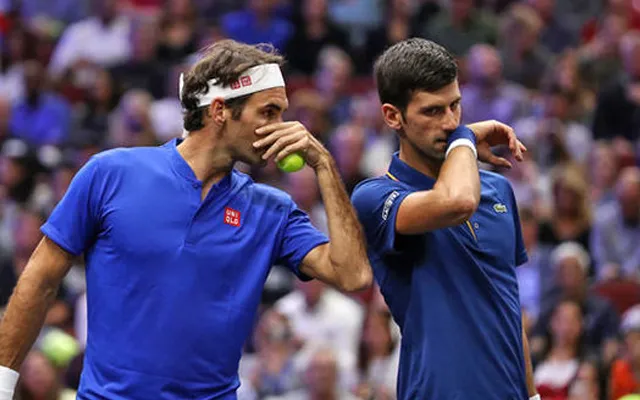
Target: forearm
[(453, 199), (34, 294), (531, 387), (459, 178), (347, 242), (24, 317)]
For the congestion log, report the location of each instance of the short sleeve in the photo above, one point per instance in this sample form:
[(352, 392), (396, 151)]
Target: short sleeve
[(521, 252), (74, 222), (377, 203), (299, 237)]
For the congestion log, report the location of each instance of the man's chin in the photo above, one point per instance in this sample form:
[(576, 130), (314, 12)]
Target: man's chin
[(436, 155)]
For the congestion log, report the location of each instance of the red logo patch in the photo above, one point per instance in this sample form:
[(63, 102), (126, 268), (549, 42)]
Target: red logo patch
[(245, 81), (231, 217)]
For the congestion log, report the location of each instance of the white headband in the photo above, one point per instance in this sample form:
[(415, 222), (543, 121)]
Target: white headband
[(255, 79)]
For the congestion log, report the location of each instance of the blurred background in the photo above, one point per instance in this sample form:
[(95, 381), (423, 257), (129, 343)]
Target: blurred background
[(81, 76)]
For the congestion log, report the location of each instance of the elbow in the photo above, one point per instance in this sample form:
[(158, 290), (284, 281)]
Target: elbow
[(463, 207), (460, 202), (361, 280)]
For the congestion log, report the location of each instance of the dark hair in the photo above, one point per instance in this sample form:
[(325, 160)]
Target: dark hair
[(225, 61), (582, 343), (411, 65)]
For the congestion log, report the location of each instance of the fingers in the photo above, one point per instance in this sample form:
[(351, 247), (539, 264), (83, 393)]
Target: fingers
[(270, 139), (299, 146), (515, 146), (283, 142), (523, 148), (265, 130)]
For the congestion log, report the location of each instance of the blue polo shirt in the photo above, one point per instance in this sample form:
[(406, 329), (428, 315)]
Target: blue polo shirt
[(173, 282), (452, 291)]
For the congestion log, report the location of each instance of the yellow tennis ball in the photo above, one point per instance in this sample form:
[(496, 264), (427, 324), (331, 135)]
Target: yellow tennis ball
[(59, 347), (291, 163)]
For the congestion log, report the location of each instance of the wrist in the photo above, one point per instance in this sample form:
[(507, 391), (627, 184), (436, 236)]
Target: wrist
[(461, 132), (461, 136), (325, 162), (8, 382)]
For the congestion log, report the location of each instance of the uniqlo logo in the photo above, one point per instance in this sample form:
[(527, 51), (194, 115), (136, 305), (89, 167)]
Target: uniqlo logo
[(231, 217), (244, 81)]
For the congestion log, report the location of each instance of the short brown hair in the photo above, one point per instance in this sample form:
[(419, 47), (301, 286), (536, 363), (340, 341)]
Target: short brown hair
[(225, 61)]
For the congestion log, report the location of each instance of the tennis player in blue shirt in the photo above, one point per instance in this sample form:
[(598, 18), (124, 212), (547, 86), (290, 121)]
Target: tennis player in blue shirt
[(178, 244), (444, 238)]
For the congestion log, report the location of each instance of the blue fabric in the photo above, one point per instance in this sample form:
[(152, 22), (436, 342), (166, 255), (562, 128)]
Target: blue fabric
[(452, 291), (461, 132), (173, 282)]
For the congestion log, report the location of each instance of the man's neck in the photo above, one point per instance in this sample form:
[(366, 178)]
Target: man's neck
[(208, 160), (419, 162)]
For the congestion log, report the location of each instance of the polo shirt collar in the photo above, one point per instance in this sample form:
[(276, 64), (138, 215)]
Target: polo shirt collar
[(401, 171), (183, 169)]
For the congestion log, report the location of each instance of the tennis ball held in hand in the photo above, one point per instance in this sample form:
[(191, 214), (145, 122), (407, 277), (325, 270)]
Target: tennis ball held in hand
[(291, 163)]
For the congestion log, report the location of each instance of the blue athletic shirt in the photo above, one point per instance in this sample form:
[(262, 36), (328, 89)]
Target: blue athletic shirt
[(173, 282), (452, 291)]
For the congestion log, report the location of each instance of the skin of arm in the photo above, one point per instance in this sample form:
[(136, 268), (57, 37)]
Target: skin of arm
[(343, 262), (33, 296)]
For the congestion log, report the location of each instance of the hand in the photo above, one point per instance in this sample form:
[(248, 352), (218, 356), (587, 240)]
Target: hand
[(284, 138), (493, 133)]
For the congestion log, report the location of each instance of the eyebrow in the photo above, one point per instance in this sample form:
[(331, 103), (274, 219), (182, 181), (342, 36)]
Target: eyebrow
[(275, 106), (437, 105)]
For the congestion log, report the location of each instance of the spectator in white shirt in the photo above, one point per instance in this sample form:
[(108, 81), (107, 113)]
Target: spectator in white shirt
[(104, 40), (323, 317)]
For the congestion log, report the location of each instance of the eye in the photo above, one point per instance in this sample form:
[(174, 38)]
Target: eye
[(455, 105), (269, 113), (433, 111)]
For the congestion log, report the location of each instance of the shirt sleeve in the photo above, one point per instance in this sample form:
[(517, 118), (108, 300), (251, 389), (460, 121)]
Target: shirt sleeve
[(74, 222), (521, 252), (299, 237), (377, 203)]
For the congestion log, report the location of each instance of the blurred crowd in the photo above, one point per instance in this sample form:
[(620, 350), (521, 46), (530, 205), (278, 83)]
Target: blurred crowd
[(81, 76)]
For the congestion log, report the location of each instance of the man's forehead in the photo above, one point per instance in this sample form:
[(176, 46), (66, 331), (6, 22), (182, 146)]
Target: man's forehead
[(275, 96), (441, 96)]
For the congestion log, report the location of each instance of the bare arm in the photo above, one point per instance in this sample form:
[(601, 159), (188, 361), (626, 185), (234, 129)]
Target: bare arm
[(343, 262), (453, 199), (531, 387), (456, 193), (34, 294)]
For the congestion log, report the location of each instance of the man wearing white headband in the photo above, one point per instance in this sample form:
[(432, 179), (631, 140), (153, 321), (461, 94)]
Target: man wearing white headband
[(178, 244)]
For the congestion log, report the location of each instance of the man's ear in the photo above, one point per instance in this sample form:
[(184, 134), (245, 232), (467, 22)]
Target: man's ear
[(392, 116), (217, 111)]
